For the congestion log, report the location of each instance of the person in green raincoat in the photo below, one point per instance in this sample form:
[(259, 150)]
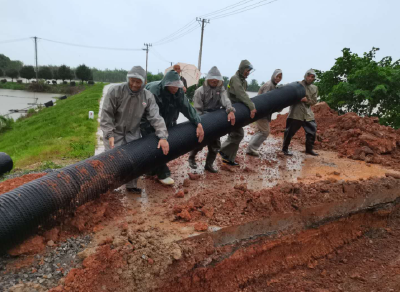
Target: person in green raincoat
[(171, 101)]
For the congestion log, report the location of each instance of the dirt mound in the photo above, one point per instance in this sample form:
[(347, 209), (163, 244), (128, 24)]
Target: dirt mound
[(352, 136), (13, 183), (243, 205)]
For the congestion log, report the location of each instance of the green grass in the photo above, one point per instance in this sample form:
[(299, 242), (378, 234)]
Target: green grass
[(44, 87), (62, 131), (14, 86)]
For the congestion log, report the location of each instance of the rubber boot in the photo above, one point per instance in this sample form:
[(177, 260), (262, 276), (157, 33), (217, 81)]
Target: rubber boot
[(210, 161), (192, 161)]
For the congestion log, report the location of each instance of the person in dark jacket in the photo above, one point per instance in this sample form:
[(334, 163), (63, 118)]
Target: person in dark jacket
[(237, 93), (171, 101), (301, 115)]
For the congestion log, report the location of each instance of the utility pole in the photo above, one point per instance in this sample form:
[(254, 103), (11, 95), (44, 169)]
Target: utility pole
[(202, 20), (147, 56), (37, 80)]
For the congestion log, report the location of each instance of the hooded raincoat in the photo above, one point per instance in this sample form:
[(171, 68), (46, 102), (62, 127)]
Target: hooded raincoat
[(302, 110), (170, 105), (263, 127), (238, 85), (208, 99), (123, 110)]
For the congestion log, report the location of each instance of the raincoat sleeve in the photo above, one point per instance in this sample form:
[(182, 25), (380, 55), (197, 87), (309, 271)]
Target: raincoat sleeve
[(226, 102), (198, 101), (241, 94), (312, 100), (153, 116), (110, 107), (189, 112)]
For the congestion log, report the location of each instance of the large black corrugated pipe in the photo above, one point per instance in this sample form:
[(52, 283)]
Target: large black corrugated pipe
[(6, 163), (24, 208)]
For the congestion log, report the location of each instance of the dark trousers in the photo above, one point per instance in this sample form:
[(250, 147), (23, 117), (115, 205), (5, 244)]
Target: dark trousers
[(213, 149), (292, 126), (231, 145)]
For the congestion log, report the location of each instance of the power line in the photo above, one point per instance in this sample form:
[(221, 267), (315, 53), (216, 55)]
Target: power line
[(91, 47), (185, 27), (158, 55), (179, 36), (243, 9), (227, 8), (15, 40)]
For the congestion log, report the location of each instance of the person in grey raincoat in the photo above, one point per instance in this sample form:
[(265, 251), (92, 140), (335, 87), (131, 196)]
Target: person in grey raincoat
[(263, 128), (208, 98), (301, 115), (124, 106), (171, 101), (237, 93)]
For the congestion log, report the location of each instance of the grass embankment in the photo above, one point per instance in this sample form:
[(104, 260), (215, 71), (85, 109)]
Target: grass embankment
[(62, 131), (44, 87)]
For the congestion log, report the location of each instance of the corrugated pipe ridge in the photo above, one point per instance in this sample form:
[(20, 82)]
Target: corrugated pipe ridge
[(23, 209)]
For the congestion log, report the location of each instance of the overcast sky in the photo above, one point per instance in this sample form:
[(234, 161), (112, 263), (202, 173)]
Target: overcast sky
[(288, 34)]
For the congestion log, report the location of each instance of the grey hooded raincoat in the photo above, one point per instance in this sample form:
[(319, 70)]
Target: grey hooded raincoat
[(208, 99)]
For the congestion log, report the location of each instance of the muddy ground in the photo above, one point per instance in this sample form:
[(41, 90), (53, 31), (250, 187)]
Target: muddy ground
[(301, 223)]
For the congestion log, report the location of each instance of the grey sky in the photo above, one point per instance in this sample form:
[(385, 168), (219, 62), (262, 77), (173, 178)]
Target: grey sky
[(288, 34)]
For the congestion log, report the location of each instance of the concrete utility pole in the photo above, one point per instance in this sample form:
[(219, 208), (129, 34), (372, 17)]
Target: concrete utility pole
[(147, 56), (37, 80), (202, 20)]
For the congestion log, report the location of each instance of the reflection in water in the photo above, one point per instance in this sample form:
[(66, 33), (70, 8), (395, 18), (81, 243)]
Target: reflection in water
[(20, 99)]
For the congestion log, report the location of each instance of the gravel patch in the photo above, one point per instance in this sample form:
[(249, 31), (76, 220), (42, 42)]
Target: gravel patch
[(48, 268)]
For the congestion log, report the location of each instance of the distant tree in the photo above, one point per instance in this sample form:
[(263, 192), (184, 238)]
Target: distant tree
[(364, 86), (1, 72), (84, 73), (54, 71), (151, 77), (64, 72), (190, 91), (4, 61), (12, 73), (226, 81), (253, 86), (45, 73), (17, 65), (27, 72)]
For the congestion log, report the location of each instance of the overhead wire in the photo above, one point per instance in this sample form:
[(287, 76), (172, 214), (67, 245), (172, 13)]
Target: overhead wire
[(243, 9), (226, 8), (179, 36), (158, 55), (92, 47), (12, 41), (185, 27)]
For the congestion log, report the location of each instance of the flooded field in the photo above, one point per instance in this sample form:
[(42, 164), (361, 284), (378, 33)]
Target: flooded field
[(21, 99)]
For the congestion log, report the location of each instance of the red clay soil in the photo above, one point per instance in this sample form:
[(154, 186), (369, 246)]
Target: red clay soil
[(13, 183), (230, 207), (350, 135)]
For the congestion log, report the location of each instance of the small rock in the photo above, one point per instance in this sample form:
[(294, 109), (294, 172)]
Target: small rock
[(50, 243), (180, 194)]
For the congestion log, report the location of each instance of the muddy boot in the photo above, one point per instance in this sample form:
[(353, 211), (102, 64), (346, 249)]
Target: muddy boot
[(192, 162), (311, 152), (209, 162), (287, 152)]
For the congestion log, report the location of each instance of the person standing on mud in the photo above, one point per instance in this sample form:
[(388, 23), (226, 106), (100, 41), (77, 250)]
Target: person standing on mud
[(177, 68), (301, 115), (124, 105), (263, 128), (171, 101), (237, 93), (208, 98)]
